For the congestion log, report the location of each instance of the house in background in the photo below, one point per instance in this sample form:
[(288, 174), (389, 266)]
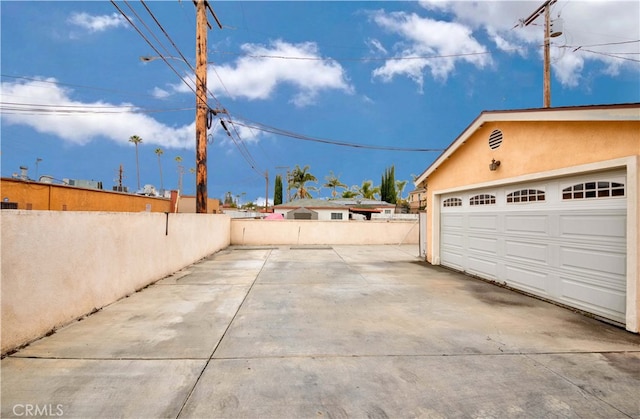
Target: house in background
[(417, 200), (545, 201), (334, 209)]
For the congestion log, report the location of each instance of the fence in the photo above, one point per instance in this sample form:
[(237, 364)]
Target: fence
[(302, 232), (60, 265)]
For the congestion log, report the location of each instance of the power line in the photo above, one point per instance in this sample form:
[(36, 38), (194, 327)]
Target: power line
[(394, 58), (17, 107), (285, 133), (365, 59), (609, 55), (58, 83), (152, 46)]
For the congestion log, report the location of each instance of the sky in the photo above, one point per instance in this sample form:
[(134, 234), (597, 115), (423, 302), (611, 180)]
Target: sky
[(349, 88)]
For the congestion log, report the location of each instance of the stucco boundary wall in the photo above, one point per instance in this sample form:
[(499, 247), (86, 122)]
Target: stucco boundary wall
[(318, 232), (58, 266)]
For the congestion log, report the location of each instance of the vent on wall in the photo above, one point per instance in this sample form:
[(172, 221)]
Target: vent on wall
[(495, 139)]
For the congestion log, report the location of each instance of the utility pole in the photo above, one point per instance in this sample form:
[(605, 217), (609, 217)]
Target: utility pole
[(202, 108), (546, 86), (546, 9)]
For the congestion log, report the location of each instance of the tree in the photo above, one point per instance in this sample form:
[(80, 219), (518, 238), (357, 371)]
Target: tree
[(367, 190), (348, 194), (388, 186), (159, 153), (400, 185), (298, 179), (332, 183), (136, 140), (277, 194), (228, 199), (178, 160)]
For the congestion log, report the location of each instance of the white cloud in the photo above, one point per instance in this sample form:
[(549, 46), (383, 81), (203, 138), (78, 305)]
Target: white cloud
[(81, 122), (97, 23), (159, 93), (256, 75), (425, 37), (377, 46), (586, 22)]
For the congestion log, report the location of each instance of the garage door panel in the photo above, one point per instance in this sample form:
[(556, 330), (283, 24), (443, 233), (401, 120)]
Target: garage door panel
[(453, 259), (593, 227), (528, 252), (526, 279), (590, 261), (607, 302), (452, 221), (455, 240), (486, 245), (483, 222), (482, 267), (527, 224)]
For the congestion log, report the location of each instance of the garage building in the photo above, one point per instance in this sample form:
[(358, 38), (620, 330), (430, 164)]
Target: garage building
[(544, 201)]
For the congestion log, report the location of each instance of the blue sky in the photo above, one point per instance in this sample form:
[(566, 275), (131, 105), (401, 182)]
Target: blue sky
[(383, 74)]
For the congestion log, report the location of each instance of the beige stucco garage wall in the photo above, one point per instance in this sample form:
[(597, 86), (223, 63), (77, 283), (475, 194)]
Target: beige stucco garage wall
[(58, 266), (305, 232)]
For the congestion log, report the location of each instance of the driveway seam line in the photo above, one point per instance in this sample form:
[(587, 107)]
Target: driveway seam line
[(206, 364)]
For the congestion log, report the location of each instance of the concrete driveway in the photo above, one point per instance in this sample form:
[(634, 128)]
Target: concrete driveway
[(335, 332)]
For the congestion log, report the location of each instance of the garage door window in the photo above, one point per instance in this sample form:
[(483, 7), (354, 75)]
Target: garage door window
[(589, 190), (526, 195), (452, 202), (483, 199)]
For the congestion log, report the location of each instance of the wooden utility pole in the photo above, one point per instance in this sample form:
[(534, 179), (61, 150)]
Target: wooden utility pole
[(546, 86), (202, 108), (546, 9)]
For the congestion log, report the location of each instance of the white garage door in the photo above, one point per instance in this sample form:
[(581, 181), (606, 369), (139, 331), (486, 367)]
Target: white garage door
[(564, 240)]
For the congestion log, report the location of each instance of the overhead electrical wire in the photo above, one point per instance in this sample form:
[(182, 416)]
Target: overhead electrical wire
[(610, 55), (394, 58), (277, 131), (33, 108), (338, 59), (152, 46), (239, 143), (59, 83)]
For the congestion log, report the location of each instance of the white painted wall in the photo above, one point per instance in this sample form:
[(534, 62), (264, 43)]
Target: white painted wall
[(58, 265), (303, 232)]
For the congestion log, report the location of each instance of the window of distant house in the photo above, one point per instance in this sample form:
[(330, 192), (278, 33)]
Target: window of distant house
[(589, 190), (387, 211), (336, 216), (483, 199), (452, 202), (526, 195)]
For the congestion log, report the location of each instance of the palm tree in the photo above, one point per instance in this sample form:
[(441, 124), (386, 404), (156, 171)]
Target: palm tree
[(400, 185), (297, 180), (159, 153), (136, 140), (348, 194), (178, 160), (333, 182), (367, 190)]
